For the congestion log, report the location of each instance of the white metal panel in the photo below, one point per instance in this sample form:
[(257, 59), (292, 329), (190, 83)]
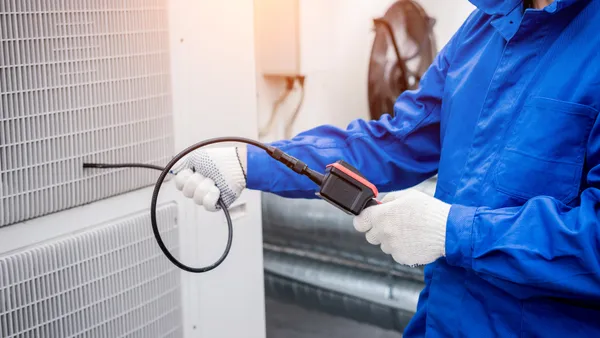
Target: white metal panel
[(108, 281), (80, 81), (214, 94), (195, 247)]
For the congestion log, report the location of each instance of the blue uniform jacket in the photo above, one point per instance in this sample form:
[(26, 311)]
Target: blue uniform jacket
[(507, 116)]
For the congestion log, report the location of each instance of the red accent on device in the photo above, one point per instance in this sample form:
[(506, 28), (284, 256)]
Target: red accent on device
[(356, 177)]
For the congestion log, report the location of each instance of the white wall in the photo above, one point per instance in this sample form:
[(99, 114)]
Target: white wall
[(335, 44)]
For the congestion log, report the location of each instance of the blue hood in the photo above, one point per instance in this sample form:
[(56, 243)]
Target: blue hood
[(503, 7)]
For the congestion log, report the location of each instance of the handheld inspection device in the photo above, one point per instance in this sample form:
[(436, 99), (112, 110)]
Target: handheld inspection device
[(341, 185)]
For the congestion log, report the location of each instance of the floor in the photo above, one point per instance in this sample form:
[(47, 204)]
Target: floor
[(291, 321)]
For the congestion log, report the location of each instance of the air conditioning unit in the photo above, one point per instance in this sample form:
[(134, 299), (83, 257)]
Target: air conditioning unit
[(122, 81)]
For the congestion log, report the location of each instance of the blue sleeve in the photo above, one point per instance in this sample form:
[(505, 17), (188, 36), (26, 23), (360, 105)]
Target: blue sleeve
[(392, 153), (543, 248)]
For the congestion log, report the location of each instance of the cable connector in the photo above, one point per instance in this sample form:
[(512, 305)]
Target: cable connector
[(289, 161), (295, 164)]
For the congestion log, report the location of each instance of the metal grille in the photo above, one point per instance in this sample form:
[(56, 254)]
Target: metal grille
[(109, 281), (80, 80)]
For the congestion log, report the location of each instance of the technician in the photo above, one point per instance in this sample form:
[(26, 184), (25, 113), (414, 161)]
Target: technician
[(507, 116)]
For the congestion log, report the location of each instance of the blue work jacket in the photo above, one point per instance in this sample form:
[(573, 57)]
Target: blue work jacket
[(507, 116)]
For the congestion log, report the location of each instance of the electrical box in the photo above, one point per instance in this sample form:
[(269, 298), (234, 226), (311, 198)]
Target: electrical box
[(277, 36)]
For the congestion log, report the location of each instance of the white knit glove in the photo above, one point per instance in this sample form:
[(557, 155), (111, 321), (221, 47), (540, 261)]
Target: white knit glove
[(206, 175), (409, 224)]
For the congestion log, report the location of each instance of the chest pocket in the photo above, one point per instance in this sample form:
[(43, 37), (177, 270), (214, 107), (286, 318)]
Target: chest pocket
[(545, 150)]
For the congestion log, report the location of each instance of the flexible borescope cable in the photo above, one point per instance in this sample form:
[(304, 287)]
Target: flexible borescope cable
[(291, 162)]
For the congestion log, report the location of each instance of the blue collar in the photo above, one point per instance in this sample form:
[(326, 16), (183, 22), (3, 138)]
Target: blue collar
[(507, 14), (505, 7)]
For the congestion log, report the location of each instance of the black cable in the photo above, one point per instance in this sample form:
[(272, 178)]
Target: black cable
[(291, 162), (122, 165)]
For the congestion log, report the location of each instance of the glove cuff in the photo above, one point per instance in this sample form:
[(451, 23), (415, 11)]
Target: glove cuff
[(229, 162), (435, 219), (242, 155)]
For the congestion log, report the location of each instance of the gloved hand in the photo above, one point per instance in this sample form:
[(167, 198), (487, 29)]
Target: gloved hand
[(409, 224), (205, 175)]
